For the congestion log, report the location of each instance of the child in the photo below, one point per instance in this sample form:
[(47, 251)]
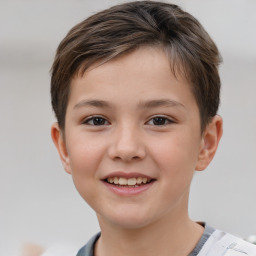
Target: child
[(135, 90)]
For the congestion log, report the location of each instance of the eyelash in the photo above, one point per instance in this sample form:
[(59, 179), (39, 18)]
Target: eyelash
[(162, 119), (94, 120), (100, 121)]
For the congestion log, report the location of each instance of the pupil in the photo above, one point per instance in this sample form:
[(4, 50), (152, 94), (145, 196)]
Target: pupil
[(159, 121), (98, 121)]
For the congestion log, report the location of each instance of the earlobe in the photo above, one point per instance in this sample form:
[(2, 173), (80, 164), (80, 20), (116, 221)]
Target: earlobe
[(209, 143), (59, 142)]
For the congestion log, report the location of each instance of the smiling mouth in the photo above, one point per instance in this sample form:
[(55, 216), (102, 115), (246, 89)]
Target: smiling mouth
[(128, 182)]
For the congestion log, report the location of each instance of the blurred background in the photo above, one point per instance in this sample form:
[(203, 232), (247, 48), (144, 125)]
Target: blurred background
[(38, 202)]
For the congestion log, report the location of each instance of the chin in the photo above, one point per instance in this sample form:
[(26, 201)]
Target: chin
[(126, 219), (129, 224)]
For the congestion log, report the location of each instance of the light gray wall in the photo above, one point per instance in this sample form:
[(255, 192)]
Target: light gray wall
[(38, 202)]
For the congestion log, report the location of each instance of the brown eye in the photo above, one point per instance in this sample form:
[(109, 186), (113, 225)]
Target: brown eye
[(160, 120), (96, 121)]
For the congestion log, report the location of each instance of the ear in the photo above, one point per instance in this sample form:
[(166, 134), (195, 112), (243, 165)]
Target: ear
[(59, 141), (209, 143)]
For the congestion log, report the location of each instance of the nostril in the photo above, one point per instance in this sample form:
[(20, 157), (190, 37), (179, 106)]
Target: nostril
[(127, 157)]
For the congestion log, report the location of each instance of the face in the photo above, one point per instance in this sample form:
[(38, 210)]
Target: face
[(132, 139)]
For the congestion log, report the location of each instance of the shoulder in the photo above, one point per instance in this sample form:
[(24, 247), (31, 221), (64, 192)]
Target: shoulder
[(222, 243), (88, 249)]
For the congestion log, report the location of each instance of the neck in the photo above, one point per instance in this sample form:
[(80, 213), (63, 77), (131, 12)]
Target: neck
[(164, 237)]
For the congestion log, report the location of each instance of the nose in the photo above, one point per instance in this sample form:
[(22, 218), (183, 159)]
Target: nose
[(127, 144)]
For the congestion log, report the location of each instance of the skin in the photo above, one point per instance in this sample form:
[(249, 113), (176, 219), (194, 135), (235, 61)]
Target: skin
[(136, 89)]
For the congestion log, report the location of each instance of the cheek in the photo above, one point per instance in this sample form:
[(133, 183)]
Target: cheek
[(176, 157), (85, 155), (176, 162), (84, 159)]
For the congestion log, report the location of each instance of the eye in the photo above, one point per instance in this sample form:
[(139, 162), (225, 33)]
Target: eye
[(160, 120), (96, 121)]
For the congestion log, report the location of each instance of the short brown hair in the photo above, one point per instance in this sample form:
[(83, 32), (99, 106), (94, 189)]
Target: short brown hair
[(122, 29)]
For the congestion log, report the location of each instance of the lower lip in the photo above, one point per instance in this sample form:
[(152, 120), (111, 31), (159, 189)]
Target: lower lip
[(129, 191)]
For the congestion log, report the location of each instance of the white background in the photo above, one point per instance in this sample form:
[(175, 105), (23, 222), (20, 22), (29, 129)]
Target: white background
[(38, 202)]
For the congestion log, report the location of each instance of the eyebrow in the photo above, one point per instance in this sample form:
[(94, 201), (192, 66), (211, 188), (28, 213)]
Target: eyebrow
[(160, 103), (142, 104), (92, 103)]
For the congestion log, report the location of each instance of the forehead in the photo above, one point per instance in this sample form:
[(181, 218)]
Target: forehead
[(146, 65)]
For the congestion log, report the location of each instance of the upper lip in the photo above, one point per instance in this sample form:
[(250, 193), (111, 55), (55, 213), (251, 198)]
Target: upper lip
[(126, 175)]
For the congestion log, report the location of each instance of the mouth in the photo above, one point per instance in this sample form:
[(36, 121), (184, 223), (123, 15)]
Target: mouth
[(132, 182)]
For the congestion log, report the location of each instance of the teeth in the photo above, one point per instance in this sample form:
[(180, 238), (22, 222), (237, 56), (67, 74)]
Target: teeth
[(130, 182), (122, 181), (139, 180)]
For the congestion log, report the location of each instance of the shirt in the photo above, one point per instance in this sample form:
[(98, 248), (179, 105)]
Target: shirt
[(213, 242)]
